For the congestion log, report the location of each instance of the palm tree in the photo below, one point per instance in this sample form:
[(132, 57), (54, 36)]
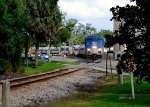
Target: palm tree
[(44, 19)]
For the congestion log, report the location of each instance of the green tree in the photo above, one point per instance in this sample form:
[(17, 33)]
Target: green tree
[(89, 29), (104, 32), (65, 32), (44, 19), (134, 31), (76, 39), (79, 30), (28, 42), (12, 23), (73, 33), (107, 35)]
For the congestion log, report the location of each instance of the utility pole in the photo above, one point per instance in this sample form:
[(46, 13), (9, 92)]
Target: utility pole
[(106, 62), (110, 63), (49, 54), (110, 67)]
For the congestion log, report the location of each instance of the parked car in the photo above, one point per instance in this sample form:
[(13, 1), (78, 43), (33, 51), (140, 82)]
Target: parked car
[(44, 56)]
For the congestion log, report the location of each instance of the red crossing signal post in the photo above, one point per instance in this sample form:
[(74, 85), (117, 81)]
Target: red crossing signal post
[(132, 81)]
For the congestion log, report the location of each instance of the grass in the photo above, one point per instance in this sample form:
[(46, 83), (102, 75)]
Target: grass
[(108, 96), (45, 66)]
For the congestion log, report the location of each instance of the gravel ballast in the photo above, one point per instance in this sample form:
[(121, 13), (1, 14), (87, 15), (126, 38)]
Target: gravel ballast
[(52, 89)]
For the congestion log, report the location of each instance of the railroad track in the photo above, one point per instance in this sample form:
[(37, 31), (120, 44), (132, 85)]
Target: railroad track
[(15, 82), (39, 77)]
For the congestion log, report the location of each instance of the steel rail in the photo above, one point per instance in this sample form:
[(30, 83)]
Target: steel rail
[(39, 77), (14, 82)]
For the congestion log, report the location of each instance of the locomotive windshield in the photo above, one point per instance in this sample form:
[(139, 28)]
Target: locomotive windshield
[(93, 39), (90, 39), (97, 39)]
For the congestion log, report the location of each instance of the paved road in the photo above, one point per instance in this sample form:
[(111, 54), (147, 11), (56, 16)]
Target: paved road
[(82, 61), (61, 58)]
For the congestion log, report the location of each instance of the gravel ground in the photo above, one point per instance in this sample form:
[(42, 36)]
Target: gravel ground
[(42, 92)]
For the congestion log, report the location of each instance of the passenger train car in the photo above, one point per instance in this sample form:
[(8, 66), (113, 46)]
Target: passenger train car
[(93, 47)]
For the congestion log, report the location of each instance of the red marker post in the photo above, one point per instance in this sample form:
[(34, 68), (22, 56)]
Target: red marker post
[(131, 67), (132, 81)]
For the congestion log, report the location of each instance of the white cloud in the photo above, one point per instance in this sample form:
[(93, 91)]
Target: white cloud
[(81, 9), (89, 10)]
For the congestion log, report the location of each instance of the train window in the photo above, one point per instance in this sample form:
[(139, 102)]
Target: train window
[(96, 39), (93, 39), (90, 39), (94, 43)]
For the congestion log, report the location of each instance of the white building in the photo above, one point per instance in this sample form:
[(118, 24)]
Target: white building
[(118, 49)]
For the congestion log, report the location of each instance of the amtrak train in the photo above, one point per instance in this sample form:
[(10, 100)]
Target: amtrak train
[(93, 47)]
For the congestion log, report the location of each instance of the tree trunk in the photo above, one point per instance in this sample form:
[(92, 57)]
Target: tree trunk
[(26, 51), (36, 54)]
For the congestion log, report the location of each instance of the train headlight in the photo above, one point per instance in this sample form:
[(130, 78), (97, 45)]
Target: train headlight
[(99, 49), (88, 49), (94, 47)]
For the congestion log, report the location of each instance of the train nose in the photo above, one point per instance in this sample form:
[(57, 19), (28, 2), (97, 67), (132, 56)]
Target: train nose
[(94, 47)]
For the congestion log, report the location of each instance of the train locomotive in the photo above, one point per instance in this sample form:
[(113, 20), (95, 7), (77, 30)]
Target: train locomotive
[(93, 47)]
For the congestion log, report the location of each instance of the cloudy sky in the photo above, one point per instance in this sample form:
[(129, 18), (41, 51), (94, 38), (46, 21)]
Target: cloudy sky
[(95, 12)]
